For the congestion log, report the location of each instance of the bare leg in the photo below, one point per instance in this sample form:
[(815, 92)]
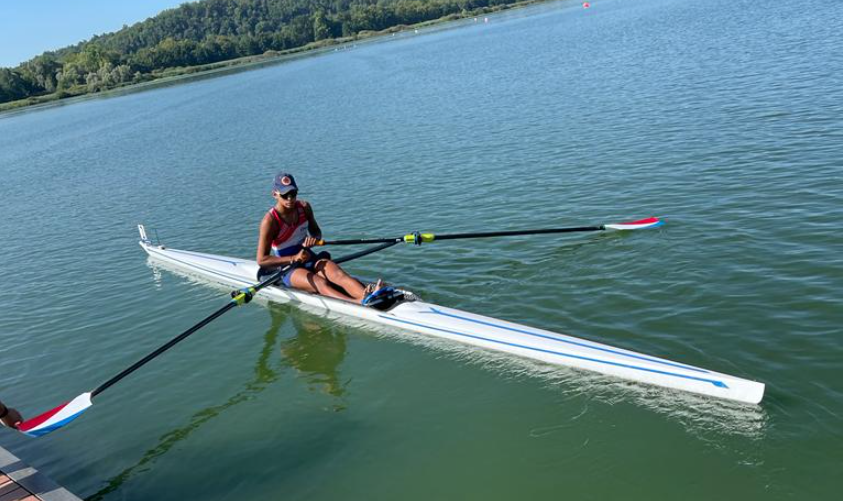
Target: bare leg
[(311, 282), (332, 272)]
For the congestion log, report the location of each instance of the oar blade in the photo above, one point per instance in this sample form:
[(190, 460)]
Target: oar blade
[(650, 222), (56, 418)]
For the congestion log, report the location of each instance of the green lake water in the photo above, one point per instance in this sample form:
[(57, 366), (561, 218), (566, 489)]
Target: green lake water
[(723, 117)]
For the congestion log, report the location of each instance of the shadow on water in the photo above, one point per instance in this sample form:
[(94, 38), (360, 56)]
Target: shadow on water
[(315, 352)]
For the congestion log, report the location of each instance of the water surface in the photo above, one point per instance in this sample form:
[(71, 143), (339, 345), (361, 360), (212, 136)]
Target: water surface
[(724, 117)]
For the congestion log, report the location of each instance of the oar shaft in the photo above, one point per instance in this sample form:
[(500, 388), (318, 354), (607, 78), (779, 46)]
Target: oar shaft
[(513, 233), (236, 300), (59, 416), (365, 252), (140, 363), (361, 241), (430, 237)]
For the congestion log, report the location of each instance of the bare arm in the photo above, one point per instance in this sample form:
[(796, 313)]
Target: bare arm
[(313, 228)]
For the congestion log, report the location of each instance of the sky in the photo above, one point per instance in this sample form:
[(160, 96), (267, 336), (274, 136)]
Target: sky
[(30, 27)]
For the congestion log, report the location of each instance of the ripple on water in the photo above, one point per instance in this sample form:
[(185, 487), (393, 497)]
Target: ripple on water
[(724, 117)]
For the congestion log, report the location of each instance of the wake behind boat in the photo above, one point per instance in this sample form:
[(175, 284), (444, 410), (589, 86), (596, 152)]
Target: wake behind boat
[(412, 314)]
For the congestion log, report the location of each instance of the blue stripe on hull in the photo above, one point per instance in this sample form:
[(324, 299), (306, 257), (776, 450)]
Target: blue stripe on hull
[(584, 344), (719, 384)]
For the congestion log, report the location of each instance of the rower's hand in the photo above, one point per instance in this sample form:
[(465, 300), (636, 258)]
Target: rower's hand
[(310, 242), (302, 257), (12, 419)]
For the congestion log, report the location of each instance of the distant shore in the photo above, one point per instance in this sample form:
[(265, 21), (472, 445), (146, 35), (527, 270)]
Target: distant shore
[(171, 76)]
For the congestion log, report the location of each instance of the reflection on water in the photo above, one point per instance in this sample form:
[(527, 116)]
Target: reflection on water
[(701, 416), (314, 351), (264, 376)]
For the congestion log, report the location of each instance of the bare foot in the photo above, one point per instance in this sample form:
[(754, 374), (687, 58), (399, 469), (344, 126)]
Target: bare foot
[(373, 287)]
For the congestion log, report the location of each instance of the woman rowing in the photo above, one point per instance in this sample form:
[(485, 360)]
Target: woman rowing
[(287, 233)]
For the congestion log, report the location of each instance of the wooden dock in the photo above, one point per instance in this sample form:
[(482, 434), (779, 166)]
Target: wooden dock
[(21, 482)]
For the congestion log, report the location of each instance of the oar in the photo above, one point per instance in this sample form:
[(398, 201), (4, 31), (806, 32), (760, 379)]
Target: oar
[(419, 238), (67, 412), (364, 252)]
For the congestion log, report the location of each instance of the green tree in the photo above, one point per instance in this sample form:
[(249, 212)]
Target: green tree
[(12, 86), (208, 31), (40, 72), (69, 76), (321, 28)]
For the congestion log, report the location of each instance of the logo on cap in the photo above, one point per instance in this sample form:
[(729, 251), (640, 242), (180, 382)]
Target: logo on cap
[(286, 181)]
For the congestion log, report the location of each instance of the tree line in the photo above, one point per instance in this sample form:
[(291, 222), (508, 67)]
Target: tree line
[(211, 31)]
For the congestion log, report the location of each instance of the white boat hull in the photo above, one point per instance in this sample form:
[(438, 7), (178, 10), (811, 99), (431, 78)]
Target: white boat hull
[(485, 332)]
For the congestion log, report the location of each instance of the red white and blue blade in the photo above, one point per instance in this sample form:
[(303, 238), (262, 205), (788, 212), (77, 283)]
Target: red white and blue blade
[(56, 418), (650, 222)]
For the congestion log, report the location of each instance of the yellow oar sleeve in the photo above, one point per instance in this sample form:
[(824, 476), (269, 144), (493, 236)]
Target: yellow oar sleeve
[(422, 238), (243, 296)]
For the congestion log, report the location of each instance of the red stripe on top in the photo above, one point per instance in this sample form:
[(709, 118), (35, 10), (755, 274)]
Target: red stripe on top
[(645, 221), (277, 217), (38, 420), (286, 230)]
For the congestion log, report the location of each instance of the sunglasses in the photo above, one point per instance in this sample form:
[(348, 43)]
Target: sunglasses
[(289, 196)]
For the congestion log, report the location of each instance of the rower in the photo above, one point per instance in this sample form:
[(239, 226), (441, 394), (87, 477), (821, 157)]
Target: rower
[(288, 231)]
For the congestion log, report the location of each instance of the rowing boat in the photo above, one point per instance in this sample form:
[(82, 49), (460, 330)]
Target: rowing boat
[(404, 310), (413, 314)]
